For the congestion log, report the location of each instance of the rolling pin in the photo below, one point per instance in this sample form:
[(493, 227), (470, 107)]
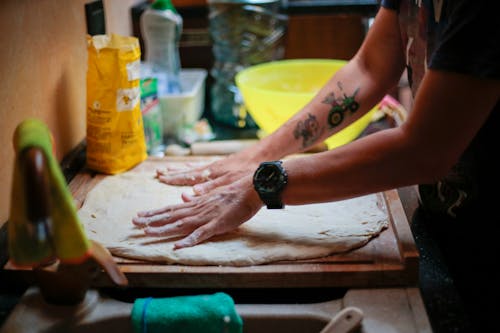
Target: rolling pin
[(223, 147), (220, 147)]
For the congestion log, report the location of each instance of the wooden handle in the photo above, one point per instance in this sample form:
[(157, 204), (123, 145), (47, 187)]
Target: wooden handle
[(36, 184), (103, 257)]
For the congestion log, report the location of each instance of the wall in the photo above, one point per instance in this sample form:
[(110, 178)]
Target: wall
[(42, 74), (118, 18), (336, 36), (43, 66)]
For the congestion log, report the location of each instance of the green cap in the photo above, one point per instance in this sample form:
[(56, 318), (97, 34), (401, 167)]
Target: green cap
[(163, 5)]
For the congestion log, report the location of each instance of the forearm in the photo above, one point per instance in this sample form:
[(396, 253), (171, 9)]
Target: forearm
[(342, 101), (375, 163), (348, 95), (422, 150)]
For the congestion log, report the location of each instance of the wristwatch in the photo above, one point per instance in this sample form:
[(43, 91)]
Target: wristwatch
[(269, 181)]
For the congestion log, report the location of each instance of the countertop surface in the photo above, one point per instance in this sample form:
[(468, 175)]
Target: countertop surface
[(444, 307)]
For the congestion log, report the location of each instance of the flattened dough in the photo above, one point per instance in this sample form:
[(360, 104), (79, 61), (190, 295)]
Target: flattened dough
[(297, 232)]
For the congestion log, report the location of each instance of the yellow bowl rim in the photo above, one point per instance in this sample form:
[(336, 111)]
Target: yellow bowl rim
[(239, 78)]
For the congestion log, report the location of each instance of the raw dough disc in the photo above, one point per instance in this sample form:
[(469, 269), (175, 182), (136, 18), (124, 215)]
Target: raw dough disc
[(297, 232)]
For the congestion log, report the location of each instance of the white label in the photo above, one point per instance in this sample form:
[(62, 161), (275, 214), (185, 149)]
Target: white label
[(127, 99)]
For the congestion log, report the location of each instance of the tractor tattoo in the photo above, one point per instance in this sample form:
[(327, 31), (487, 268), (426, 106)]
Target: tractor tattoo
[(340, 105)]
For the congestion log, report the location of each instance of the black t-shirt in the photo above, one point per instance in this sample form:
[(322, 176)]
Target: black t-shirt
[(461, 36)]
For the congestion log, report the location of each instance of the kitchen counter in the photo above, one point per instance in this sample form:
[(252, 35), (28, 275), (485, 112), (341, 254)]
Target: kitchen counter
[(445, 312), (444, 308)]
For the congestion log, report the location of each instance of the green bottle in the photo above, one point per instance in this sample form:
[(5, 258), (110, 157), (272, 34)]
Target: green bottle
[(151, 117)]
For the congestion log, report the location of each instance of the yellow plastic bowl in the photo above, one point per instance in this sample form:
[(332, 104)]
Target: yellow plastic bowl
[(274, 91)]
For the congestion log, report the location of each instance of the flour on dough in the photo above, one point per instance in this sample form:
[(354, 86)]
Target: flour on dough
[(297, 232)]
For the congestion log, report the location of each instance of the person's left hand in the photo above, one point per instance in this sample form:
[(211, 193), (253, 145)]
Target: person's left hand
[(204, 216), (206, 178)]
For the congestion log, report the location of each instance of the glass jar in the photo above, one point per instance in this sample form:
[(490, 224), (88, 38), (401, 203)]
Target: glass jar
[(243, 33)]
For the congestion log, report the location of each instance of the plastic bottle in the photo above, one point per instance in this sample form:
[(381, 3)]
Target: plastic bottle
[(161, 28)]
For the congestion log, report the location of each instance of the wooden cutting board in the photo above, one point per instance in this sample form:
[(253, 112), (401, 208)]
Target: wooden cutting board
[(391, 259)]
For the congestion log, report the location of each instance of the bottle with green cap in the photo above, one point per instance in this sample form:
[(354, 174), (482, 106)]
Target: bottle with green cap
[(161, 28)]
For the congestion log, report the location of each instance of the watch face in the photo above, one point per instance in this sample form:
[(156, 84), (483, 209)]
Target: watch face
[(270, 178)]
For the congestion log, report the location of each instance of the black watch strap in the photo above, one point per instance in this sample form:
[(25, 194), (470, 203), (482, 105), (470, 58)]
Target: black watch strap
[(271, 201)]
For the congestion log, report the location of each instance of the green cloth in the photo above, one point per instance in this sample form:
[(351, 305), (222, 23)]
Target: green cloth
[(185, 314), (69, 242)]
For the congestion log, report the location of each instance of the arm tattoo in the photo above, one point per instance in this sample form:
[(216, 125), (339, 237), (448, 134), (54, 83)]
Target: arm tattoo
[(308, 130), (340, 105)]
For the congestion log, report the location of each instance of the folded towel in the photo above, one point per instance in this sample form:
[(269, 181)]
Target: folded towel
[(68, 240), (185, 314)]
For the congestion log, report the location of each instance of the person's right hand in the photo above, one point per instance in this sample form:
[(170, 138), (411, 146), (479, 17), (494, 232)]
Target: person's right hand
[(201, 217), (210, 176)]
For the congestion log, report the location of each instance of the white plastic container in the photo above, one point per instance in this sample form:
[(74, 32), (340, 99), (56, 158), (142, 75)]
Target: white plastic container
[(185, 108)]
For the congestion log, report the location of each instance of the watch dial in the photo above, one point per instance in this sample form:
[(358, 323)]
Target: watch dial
[(269, 178)]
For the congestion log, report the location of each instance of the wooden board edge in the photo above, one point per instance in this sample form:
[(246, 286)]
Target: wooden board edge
[(401, 226)]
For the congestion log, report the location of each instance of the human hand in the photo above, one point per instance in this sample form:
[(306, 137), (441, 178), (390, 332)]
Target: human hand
[(208, 177), (204, 216)]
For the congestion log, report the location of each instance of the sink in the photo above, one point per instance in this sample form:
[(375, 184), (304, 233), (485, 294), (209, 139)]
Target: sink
[(385, 310)]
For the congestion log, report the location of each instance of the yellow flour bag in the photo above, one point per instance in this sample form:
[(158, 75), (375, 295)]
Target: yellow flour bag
[(115, 132)]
